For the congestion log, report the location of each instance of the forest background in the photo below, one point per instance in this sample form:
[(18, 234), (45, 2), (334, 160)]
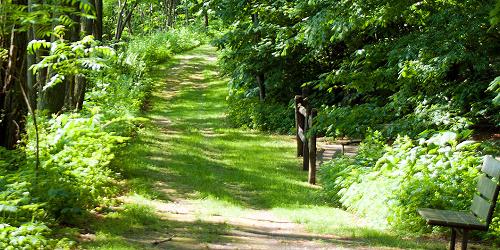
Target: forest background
[(417, 80)]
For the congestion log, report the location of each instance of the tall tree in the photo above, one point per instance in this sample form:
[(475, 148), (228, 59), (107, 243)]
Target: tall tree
[(98, 26), (12, 106), (124, 16), (259, 75)]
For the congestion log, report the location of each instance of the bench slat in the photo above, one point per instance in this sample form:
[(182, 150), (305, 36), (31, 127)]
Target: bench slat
[(461, 219), (491, 167), (480, 207), (487, 187)]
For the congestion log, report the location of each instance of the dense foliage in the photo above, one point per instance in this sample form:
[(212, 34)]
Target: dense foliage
[(388, 65), (253, 114), (388, 183), (74, 78), (77, 148)]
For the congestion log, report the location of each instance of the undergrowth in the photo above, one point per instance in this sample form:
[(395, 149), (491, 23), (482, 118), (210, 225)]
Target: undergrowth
[(387, 183), (76, 148), (263, 116)]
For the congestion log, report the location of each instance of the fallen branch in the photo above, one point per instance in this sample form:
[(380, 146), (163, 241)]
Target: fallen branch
[(162, 241)]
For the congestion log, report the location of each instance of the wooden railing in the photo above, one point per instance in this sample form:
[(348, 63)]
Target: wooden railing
[(306, 139)]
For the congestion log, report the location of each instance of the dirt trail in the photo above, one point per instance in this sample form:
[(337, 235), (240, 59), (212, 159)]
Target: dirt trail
[(257, 230), (215, 187), (248, 229)]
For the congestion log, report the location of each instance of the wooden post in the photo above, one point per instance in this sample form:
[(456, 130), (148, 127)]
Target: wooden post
[(306, 145), (465, 238), (299, 121), (453, 239), (312, 147), (305, 154)]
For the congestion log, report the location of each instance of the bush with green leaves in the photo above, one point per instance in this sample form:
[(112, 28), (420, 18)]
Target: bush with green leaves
[(30, 236), (336, 121), (396, 66), (24, 220), (75, 154), (254, 114), (343, 171), (388, 183), (159, 47)]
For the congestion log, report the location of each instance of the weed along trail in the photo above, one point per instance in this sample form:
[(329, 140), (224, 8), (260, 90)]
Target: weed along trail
[(196, 183)]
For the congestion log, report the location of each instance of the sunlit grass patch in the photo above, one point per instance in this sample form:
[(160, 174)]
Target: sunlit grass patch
[(213, 206), (344, 225)]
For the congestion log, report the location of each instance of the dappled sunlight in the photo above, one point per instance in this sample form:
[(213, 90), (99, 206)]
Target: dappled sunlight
[(212, 186)]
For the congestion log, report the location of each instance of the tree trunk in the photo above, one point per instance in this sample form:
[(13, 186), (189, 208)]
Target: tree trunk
[(170, 6), (30, 60), (12, 107), (119, 22), (98, 21), (124, 17), (205, 15), (262, 87), (171, 15), (260, 75), (52, 99), (87, 27), (129, 25), (186, 10), (71, 82)]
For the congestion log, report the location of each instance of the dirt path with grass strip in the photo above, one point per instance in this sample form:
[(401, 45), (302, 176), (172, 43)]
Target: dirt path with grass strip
[(196, 183), (199, 101)]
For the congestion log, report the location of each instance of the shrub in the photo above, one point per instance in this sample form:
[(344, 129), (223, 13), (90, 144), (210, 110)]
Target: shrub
[(340, 173), (75, 154), (251, 113), (23, 224), (159, 47), (388, 185), (336, 121)]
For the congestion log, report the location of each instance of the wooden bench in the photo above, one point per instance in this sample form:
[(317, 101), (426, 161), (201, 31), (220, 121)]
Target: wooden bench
[(481, 211), (343, 142)]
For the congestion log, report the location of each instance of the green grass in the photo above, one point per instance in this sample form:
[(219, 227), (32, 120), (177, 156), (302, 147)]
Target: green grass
[(186, 151), (327, 220)]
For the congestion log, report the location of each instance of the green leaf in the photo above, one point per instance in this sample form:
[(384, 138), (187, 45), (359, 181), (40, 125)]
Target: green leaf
[(54, 80), (8, 208)]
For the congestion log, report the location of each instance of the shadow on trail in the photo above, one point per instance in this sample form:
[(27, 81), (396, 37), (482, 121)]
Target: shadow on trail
[(198, 155), (141, 228)]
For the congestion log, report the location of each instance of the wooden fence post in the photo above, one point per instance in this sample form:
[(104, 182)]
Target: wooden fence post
[(312, 147), (299, 121), (306, 141), (305, 154)]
